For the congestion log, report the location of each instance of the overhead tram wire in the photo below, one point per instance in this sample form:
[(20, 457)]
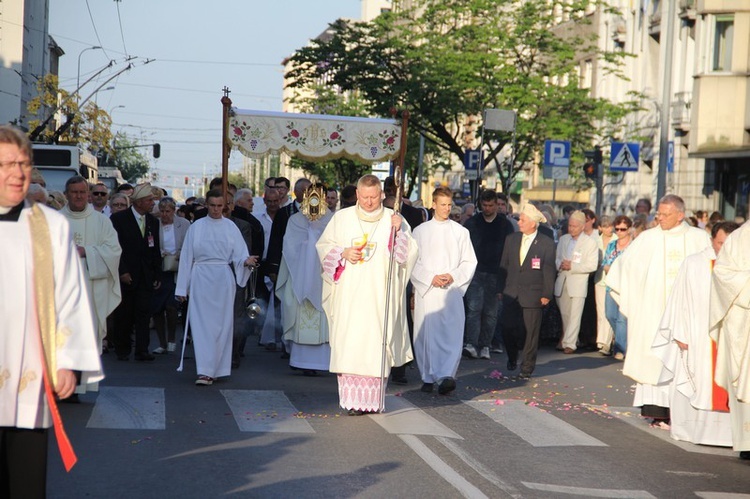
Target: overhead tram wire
[(96, 32), (119, 20)]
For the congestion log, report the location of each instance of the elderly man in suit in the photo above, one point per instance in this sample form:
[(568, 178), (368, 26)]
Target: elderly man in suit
[(577, 258), (526, 282), (140, 272)]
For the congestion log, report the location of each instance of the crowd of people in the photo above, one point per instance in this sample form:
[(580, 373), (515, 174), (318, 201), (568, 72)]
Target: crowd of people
[(361, 285)]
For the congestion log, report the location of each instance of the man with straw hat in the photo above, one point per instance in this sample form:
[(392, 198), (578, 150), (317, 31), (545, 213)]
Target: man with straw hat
[(526, 282)]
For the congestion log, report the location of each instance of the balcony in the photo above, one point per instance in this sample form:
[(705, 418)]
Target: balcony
[(686, 10), (681, 110)]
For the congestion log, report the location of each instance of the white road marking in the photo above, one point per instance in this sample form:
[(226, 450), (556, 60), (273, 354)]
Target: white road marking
[(631, 415), (404, 418), (477, 466), (458, 482), (265, 411), (586, 492), (532, 424), (128, 408), (722, 495)]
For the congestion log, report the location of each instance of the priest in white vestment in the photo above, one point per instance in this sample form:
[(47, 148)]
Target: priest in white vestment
[(99, 249), (299, 286), (355, 251), (730, 328), (640, 281), (441, 276), (698, 407), (47, 329), (214, 257)]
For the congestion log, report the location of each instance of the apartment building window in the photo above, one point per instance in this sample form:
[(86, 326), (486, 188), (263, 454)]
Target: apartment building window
[(722, 49)]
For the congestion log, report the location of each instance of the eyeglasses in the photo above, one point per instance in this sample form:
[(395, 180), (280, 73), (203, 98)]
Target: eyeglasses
[(9, 165), (621, 229), (98, 193)]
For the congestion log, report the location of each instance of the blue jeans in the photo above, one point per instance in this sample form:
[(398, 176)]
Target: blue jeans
[(618, 322), (481, 310)]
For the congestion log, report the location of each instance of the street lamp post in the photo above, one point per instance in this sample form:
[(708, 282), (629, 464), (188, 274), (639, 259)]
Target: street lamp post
[(78, 77)]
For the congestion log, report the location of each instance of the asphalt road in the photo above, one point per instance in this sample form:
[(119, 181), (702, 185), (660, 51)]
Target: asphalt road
[(268, 431)]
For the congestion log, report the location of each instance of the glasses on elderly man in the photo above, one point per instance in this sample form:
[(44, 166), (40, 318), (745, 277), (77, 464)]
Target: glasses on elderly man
[(8, 165), (98, 193), (621, 229)]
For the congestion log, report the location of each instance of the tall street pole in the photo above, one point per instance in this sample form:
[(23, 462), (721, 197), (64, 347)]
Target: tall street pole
[(78, 77), (666, 99)]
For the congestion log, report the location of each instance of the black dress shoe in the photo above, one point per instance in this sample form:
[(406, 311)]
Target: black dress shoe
[(355, 412), (745, 454), (446, 386), (310, 372), (123, 356), (144, 356), (399, 380), (427, 387), (512, 365)]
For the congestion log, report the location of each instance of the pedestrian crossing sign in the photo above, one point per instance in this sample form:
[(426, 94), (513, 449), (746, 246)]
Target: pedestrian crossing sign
[(624, 157)]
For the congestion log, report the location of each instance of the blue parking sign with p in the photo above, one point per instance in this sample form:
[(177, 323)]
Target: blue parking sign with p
[(557, 153)]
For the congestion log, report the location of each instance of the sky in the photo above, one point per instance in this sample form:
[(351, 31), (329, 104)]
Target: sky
[(197, 48)]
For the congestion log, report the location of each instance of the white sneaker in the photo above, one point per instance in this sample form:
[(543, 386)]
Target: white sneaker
[(159, 351), (171, 347), (484, 353), (470, 351)]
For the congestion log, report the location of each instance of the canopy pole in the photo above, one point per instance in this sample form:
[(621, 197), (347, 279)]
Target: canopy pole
[(226, 147), (398, 177)]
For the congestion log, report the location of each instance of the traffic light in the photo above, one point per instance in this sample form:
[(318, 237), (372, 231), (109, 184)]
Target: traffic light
[(157, 150), (187, 180), (590, 170)]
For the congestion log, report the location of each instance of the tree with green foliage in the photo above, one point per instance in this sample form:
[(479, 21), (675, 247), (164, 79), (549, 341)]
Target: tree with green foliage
[(448, 60), (90, 126), (127, 156)]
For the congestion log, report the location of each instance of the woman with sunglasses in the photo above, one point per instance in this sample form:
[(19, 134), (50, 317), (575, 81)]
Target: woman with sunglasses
[(604, 332), (616, 319)]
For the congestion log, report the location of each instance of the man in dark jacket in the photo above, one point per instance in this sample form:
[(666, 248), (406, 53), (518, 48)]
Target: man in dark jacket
[(488, 230), (140, 272), (527, 282)]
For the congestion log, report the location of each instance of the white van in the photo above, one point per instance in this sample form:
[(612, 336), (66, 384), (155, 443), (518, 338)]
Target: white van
[(57, 163)]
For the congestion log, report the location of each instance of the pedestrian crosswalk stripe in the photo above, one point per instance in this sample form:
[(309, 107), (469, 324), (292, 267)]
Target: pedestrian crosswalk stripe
[(587, 492), (402, 417), (128, 408), (721, 495), (535, 426), (265, 411)]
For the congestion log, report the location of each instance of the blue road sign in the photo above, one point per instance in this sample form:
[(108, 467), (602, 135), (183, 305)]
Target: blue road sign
[(472, 160), (624, 157), (556, 159), (670, 156)]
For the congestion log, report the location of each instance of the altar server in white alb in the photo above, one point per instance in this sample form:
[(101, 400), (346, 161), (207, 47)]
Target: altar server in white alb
[(730, 328), (214, 257), (698, 406), (355, 252), (441, 276), (640, 281), (47, 331), (299, 285)]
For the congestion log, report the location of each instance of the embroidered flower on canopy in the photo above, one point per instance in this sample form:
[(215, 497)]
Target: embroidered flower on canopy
[(294, 136), (242, 130), (335, 139), (388, 139)]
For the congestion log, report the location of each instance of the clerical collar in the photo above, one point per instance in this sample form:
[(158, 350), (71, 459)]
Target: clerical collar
[(373, 216), (11, 214)]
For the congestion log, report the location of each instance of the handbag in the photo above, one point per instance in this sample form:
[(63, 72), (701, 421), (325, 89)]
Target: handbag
[(169, 263)]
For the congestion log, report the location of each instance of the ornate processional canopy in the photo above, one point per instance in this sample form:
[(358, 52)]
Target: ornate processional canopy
[(314, 137)]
